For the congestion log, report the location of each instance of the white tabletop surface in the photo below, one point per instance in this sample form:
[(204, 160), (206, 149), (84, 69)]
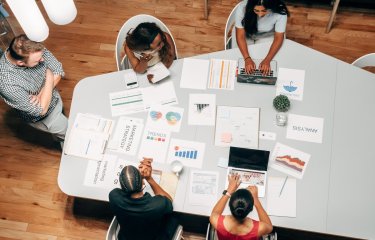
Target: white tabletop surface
[(337, 192)]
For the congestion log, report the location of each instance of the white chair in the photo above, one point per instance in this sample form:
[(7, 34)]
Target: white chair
[(367, 60), (122, 61), (230, 33), (114, 229)]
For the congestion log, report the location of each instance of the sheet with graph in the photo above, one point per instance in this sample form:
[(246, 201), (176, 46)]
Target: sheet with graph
[(190, 153), (237, 127), (202, 109)]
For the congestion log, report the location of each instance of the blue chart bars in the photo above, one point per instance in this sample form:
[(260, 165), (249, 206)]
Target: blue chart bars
[(192, 154)]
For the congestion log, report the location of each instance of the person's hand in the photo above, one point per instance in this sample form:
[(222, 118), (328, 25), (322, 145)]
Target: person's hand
[(35, 100), (145, 168), (234, 182), (254, 191), (146, 57), (265, 67), (249, 65)]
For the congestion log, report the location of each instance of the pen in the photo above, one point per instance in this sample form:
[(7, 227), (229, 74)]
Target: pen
[(282, 188)]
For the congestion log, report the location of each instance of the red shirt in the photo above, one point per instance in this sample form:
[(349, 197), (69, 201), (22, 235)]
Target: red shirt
[(223, 234)]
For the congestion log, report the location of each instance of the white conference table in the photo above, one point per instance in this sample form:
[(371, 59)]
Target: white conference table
[(337, 192)]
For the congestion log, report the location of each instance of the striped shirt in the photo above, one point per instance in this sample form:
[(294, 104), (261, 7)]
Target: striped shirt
[(18, 83)]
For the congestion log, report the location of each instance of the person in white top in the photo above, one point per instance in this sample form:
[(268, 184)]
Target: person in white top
[(260, 21), (147, 45)]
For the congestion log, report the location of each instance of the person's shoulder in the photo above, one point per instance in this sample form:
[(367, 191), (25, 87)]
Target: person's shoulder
[(115, 193), (278, 16)]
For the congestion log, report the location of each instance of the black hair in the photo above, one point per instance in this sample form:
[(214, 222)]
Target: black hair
[(241, 204), (250, 20), (130, 179), (143, 35)]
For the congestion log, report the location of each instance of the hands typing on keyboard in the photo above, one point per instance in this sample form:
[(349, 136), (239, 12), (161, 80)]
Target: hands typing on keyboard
[(257, 71)]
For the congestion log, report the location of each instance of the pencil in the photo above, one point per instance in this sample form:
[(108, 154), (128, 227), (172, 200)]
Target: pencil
[(282, 188)]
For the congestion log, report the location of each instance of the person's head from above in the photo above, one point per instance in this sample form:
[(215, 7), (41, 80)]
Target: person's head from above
[(241, 204), (259, 8), (25, 52), (146, 38), (131, 180)]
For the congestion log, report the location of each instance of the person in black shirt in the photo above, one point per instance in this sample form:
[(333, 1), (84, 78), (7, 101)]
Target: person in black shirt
[(140, 215)]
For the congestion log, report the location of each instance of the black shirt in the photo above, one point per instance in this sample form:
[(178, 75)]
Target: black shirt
[(139, 218)]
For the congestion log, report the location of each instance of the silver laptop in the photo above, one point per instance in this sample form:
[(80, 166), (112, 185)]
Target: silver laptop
[(257, 76), (251, 165)]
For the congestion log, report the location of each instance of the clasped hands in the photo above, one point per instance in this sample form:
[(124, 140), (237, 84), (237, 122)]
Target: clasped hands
[(36, 99), (145, 168)]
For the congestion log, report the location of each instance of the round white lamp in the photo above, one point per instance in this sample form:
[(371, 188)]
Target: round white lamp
[(30, 18), (60, 12)]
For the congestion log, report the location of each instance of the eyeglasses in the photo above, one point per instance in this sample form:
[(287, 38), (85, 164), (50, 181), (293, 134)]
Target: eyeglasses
[(258, 11)]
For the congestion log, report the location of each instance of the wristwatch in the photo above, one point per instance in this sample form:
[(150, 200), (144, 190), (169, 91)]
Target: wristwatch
[(225, 192)]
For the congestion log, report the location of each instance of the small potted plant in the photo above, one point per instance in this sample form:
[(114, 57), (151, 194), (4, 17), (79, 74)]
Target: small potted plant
[(282, 104)]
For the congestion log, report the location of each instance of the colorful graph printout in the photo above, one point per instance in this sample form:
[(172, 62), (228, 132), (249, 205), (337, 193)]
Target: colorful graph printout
[(289, 160), (165, 117), (126, 102), (154, 144), (189, 153), (290, 82), (222, 74)]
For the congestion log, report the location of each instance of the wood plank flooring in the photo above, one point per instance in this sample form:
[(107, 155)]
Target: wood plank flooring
[(31, 203)]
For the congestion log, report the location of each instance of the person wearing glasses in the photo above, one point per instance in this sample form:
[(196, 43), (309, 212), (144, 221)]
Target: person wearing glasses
[(260, 21), (147, 45), (29, 74), (241, 202), (140, 215)]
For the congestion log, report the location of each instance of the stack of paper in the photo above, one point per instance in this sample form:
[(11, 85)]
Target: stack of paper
[(222, 74), (88, 136)]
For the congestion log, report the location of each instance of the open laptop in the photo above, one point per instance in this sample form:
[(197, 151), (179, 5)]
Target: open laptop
[(257, 76), (251, 165)]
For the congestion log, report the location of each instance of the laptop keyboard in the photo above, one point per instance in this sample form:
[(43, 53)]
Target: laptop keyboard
[(257, 72)]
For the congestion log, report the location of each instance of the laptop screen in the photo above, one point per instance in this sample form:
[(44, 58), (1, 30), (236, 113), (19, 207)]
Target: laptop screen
[(248, 158)]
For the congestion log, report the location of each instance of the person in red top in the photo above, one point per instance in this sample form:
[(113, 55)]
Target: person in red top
[(238, 226)]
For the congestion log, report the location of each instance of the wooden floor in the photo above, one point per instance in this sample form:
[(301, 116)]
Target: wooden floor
[(31, 203)]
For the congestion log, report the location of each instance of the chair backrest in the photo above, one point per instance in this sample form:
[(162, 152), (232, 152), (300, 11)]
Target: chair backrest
[(211, 233), (113, 230), (133, 22), (178, 233), (229, 37), (367, 60)]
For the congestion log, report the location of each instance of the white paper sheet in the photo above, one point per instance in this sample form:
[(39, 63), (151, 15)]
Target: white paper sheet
[(101, 173), (88, 136), (222, 74), (290, 82), (284, 204), (190, 153), (165, 117), (237, 127), (289, 160), (126, 102), (194, 73), (154, 144), (157, 72), (305, 128), (162, 93), (203, 188), (202, 109), (127, 135)]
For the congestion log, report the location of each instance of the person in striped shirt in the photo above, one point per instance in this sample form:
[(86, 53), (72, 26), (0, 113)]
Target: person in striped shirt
[(29, 74)]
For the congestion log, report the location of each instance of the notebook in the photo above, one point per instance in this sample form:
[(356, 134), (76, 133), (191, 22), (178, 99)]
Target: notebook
[(251, 165), (257, 76)]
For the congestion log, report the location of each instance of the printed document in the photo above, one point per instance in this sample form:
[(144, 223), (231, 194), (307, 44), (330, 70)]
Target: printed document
[(203, 188), (282, 199), (222, 74), (194, 73), (202, 109), (290, 82)]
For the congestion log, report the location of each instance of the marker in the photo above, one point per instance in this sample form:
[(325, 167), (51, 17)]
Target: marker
[(282, 188)]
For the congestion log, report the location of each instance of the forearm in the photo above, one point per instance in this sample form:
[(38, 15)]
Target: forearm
[(241, 42), (262, 214), (157, 189), (220, 205), (56, 80), (276, 45)]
